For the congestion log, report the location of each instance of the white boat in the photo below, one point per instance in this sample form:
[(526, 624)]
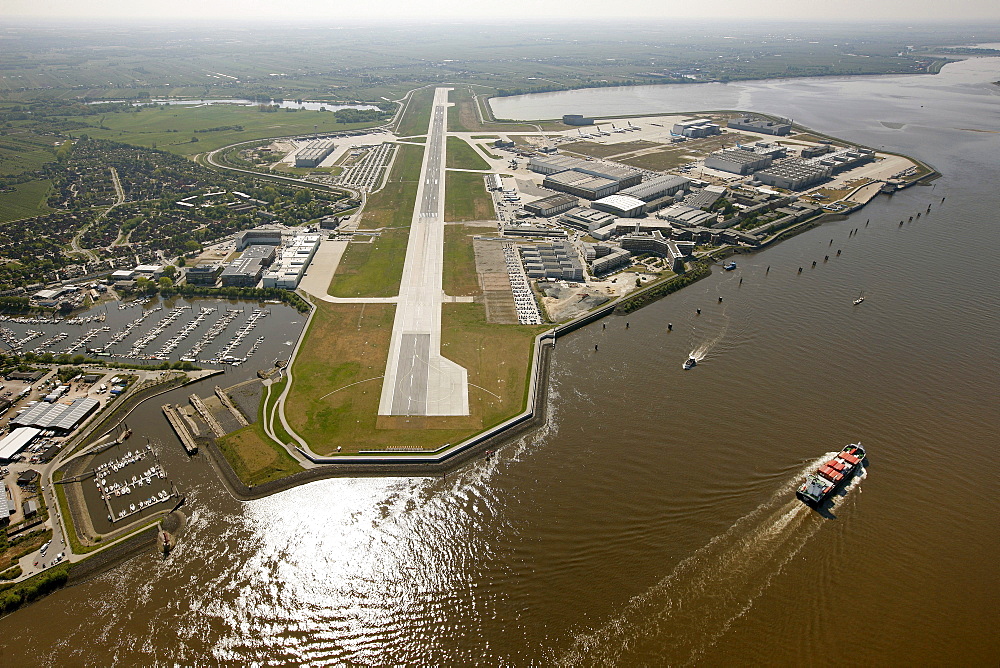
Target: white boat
[(691, 361), (860, 298)]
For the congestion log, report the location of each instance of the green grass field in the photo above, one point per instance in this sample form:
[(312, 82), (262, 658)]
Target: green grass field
[(372, 269), (256, 458), (171, 128), (375, 269), (466, 198), (417, 114), (26, 200), (460, 155), (338, 378)]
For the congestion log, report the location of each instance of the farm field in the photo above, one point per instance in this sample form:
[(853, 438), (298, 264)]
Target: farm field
[(25, 200), (189, 130)]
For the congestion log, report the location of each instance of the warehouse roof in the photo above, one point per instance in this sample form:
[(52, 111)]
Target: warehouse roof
[(57, 416), (622, 202)]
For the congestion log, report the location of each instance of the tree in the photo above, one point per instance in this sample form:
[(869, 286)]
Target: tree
[(303, 196), (170, 271), (165, 282)]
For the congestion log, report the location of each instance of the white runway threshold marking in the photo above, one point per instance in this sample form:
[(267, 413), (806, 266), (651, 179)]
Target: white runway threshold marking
[(418, 380)]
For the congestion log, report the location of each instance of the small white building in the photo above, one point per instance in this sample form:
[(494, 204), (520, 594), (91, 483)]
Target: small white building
[(149, 271)]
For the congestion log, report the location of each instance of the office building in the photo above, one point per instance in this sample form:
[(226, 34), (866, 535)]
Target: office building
[(614, 260), (203, 274)]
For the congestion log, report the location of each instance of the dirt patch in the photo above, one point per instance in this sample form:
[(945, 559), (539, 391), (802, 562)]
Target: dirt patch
[(564, 301)]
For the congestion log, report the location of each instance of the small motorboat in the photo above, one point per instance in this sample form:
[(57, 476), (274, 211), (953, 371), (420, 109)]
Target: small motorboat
[(860, 299), (730, 266), (691, 361)]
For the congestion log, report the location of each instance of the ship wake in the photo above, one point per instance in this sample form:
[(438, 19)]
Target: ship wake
[(687, 611)]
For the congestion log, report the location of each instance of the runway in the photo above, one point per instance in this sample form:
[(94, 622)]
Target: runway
[(418, 380)]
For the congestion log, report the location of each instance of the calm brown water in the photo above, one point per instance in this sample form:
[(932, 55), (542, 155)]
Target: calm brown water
[(652, 522)]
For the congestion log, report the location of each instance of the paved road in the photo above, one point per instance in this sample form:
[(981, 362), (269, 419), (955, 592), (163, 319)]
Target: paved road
[(418, 380)]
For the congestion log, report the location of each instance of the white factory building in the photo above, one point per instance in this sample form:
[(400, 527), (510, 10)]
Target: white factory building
[(291, 264)]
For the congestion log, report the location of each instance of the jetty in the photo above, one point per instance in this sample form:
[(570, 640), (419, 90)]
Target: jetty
[(227, 402), (207, 416), (180, 428)]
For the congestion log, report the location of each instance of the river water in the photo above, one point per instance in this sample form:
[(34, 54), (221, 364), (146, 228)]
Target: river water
[(652, 521)]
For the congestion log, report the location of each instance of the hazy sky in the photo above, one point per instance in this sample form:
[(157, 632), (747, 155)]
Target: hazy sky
[(826, 10)]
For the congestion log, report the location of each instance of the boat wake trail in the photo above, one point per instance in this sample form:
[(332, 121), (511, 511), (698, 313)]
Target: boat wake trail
[(687, 611)]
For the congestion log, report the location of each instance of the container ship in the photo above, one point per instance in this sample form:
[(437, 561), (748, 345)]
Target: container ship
[(831, 475)]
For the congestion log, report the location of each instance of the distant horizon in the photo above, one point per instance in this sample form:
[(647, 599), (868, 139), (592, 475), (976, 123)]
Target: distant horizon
[(903, 12), (319, 22)]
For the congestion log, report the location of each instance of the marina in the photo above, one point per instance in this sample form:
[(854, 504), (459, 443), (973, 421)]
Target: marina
[(207, 332)]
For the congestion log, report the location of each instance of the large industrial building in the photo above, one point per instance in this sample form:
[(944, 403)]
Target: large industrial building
[(762, 126), (737, 161), (558, 261), (288, 269), (686, 216), (622, 177), (62, 418), (793, 174), (266, 254), (704, 198), (586, 219), (657, 187), (623, 206), (256, 237), (243, 272), (314, 153), (796, 174), (698, 127), (552, 205), (16, 441), (580, 184), (577, 119)]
